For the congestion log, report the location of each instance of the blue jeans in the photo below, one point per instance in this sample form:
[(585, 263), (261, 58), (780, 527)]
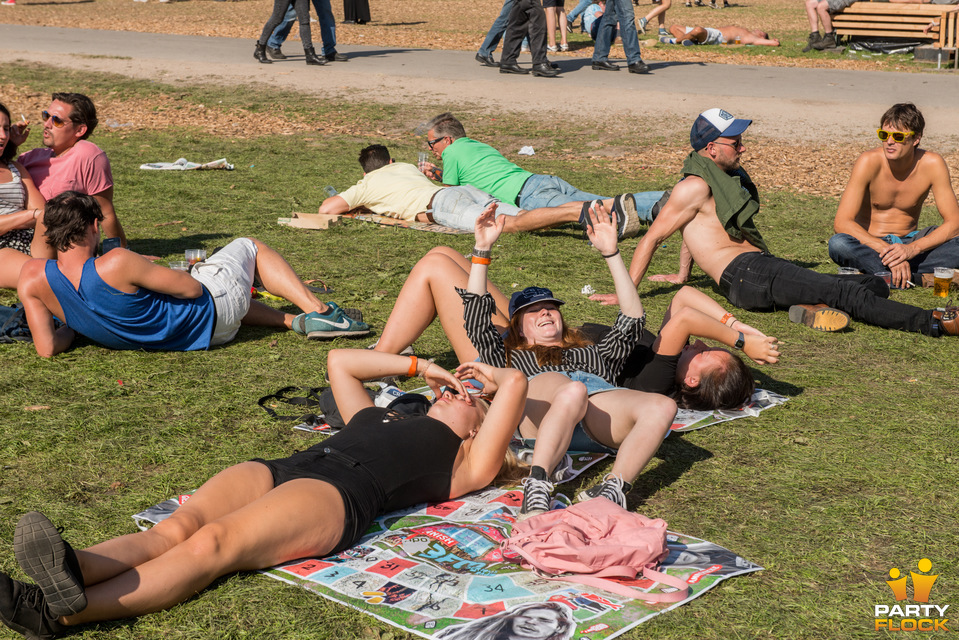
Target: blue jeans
[(578, 11), (760, 282), (459, 207), (846, 251), (617, 11), (497, 30), (324, 13), (550, 191)]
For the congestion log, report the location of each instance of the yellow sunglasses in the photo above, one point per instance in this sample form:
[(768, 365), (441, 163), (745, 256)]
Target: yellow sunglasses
[(897, 136)]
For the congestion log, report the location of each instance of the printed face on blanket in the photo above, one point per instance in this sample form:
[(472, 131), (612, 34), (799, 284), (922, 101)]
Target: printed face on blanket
[(586, 395), (535, 621), (380, 462)]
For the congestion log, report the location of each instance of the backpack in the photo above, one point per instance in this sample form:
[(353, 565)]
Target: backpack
[(13, 325), (592, 541)]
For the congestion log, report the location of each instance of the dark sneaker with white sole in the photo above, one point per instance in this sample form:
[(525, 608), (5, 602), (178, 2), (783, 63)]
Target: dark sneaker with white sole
[(536, 497), (613, 487), (51, 562)]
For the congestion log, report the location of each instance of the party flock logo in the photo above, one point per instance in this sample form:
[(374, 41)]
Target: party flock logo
[(912, 617)]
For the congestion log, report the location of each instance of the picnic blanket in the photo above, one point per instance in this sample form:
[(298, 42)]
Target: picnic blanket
[(685, 420), (434, 569), (185, 165)]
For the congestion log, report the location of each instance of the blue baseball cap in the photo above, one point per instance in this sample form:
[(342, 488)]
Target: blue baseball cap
[(530, 295), (714, 123)]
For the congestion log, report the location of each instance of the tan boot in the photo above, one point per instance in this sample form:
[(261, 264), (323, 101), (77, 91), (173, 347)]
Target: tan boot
[(819, 317)]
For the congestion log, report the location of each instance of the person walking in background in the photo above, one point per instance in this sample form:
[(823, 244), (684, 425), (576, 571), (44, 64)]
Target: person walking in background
[(327, 33), (302, 8)]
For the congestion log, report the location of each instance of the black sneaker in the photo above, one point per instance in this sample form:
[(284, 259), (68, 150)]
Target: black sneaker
[(536, 497), (627, 219), (51, 562), (23, 609), (613, 487), (275, 53)]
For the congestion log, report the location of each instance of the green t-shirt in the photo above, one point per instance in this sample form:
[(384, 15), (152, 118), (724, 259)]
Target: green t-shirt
[(467, 161)]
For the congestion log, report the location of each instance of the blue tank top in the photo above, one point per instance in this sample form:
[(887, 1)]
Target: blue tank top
[(141, 320)]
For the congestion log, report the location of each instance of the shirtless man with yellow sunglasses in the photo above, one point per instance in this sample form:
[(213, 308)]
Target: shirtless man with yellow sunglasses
[(877, 223)]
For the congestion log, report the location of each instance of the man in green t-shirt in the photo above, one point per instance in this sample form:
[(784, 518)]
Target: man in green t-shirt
[(467, 161)]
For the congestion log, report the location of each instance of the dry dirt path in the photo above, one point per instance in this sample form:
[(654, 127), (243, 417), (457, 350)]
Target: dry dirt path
[(823, 106)]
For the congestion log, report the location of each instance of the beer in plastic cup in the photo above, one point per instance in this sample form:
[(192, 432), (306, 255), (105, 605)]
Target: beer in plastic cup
[(943, 278)]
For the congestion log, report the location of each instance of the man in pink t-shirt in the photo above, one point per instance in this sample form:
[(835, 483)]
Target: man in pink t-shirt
[(69, 162)]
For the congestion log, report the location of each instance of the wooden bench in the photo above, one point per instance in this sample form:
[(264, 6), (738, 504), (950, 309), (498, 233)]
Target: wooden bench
[(894, 20)]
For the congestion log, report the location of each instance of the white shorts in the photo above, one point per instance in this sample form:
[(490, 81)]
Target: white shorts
[(228, 276)]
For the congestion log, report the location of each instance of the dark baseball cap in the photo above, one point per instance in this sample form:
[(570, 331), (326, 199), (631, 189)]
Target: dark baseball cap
[(531, 295), (714, 123)]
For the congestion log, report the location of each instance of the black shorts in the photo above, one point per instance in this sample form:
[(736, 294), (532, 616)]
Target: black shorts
[(547, 4), (362, 498)]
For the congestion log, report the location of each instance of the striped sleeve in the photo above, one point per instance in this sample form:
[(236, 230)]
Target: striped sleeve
[(477, 320), (620, 342)]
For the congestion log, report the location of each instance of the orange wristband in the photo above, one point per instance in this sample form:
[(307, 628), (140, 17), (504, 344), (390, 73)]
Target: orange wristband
[(476, 260), (412, 372), (726, 318)]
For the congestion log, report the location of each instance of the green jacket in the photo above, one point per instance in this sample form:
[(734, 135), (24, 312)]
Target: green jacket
[(737, 199)]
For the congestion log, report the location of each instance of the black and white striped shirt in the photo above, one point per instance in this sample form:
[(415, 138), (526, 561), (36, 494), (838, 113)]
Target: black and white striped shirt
[(604, 359)]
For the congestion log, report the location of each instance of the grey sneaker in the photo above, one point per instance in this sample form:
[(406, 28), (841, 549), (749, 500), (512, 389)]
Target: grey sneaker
[(627, 220), (332, 324), (613, 487), (563, 467), (536, 497), (51, 562), (23, 609)]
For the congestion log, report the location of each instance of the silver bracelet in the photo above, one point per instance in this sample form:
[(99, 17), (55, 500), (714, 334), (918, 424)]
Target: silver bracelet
[(479, 253)]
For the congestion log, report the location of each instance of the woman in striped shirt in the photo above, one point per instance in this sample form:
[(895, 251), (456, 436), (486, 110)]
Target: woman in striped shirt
[(573, 401)]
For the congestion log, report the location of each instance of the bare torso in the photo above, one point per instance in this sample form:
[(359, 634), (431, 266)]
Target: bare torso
[(711, 247), (893, 199)]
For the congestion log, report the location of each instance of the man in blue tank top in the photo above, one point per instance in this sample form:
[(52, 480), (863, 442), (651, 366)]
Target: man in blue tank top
[(121, 300)]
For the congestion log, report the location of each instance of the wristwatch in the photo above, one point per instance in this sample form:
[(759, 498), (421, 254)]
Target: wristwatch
[(740, 342)]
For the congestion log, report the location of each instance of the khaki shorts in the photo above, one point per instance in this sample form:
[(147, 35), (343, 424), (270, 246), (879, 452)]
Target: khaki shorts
[(228, 276)]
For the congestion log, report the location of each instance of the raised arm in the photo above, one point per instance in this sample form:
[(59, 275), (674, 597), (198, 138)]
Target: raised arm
[(486, 453), (602, 232), (688, 197), (487, 230)]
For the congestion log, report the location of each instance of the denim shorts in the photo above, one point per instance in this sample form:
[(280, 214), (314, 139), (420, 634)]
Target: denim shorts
[(228, 276), (459, 207), (581, 440)]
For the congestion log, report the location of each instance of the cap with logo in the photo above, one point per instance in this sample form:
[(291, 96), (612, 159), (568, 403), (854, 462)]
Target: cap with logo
[(714, 123)]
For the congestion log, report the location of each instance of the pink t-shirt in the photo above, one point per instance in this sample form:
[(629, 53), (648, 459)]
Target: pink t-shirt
[(84, 168)]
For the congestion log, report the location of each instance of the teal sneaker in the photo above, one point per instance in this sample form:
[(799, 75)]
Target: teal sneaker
[(332, 324), (641, 25)]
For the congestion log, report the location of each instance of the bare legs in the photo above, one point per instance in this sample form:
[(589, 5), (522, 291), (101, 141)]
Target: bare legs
[(546, 217), (235, 521), (635, 422), (554, 405), (278, 278), (429, 293), (11, 261)]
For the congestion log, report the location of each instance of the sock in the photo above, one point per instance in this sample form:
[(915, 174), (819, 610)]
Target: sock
[(537, 473)]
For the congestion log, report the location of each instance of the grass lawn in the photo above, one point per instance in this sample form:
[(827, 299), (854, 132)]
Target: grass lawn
[(856, 474)]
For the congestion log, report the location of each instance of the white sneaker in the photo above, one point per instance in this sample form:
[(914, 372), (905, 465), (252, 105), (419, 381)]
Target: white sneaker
[(564, 47), (552, 48)]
